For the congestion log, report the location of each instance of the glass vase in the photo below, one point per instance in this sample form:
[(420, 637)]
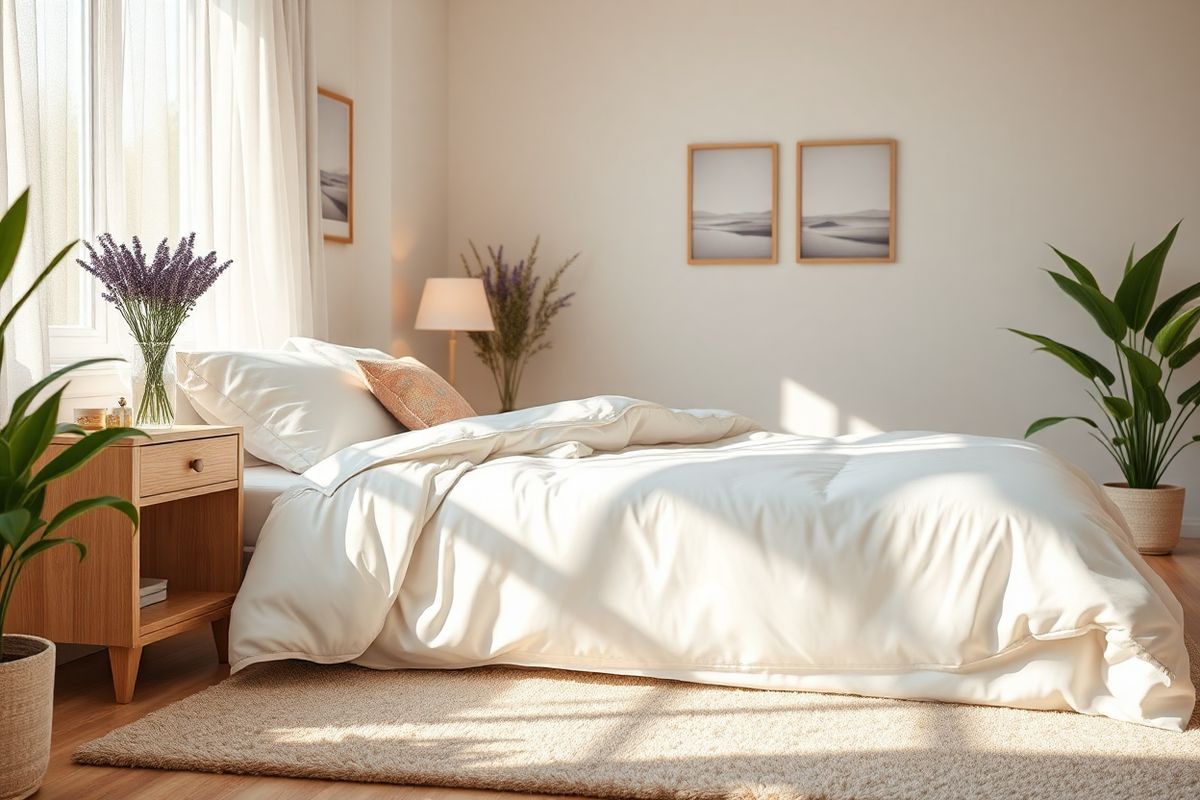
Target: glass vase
[(508, 382), (152, 373)]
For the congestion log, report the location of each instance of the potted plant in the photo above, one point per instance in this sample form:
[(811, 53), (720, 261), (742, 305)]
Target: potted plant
[(522, 316), (27, 662), (1143, 427)]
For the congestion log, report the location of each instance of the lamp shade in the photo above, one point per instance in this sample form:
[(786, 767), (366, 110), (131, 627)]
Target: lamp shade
[(454, 304)]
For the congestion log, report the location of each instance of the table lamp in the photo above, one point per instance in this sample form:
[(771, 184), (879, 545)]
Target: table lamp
[(454, 304)]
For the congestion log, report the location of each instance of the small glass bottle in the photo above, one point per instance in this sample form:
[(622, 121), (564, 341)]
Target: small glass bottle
[(120, 416)]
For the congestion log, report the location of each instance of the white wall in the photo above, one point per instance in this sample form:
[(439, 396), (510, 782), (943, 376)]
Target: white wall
[(390, 58), (1072, 122)]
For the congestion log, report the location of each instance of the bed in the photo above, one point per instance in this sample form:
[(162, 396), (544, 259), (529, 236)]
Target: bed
[(261, 485), (615, 535)]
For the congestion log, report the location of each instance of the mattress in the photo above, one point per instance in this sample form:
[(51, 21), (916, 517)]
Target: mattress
[(260, 486)]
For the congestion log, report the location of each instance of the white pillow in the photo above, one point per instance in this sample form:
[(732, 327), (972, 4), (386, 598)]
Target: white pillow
[(296, 409), (342, 356)]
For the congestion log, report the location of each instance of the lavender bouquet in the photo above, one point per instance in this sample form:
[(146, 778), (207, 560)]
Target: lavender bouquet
[(154, 300), (521, 314)]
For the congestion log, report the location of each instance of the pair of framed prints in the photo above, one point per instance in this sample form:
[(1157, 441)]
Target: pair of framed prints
[(845, 202)]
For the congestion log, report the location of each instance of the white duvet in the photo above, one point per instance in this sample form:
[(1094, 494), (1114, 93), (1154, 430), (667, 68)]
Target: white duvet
[(615, 535)]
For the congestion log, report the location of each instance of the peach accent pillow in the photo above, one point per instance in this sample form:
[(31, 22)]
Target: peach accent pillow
[(415, 395)]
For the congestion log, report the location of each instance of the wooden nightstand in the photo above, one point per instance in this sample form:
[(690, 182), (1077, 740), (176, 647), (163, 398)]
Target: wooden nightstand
[(187, 485)]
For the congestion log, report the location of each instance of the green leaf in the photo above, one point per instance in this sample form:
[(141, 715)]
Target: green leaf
[(1136, 294), (33, 287), (1142, 369), (1160, 406), (1184, 355), (1129, 258), (33, 434), (1169, 308), (1154, 400), (12, 231), (1081, 273), (1103, 310), (1175, 333), (1046, 422), (1078, 360), (1190, 395), (1146, 375), (1083, 368), (42, 545), (79, 453), (69, 427), (29, 395), (14, 527), (83, 506), (35, 501), (1118, 407)]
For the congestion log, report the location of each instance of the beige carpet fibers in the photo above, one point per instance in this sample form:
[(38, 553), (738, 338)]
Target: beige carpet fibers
[(575, 733)]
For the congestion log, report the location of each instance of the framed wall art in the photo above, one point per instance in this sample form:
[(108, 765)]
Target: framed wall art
[(733, 210), (335, 160), (846, 201)]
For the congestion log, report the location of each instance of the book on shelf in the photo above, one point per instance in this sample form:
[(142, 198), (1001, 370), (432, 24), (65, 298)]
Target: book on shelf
[(152, 585), (151, 590), (151, 599)]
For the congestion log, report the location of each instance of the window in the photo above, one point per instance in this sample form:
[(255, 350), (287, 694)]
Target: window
[(160, 118), (105, 116), (54, 33)]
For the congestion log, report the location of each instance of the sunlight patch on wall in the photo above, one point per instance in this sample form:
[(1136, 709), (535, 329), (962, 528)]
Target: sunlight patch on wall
[(801, 410)]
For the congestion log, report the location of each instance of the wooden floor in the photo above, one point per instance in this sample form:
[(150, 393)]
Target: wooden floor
[(175, 668)]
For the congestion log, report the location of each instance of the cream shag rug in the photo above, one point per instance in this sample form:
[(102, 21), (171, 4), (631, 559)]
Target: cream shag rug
[(578, 733)]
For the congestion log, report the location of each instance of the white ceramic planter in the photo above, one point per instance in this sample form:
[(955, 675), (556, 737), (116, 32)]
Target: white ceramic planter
[(26, 708), (1155, 516)]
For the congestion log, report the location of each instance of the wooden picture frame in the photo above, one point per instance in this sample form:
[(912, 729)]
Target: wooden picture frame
[(335, 165), (736, 187), (847, 187)]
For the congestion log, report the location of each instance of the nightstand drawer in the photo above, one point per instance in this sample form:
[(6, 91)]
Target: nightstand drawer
[(189, 464)]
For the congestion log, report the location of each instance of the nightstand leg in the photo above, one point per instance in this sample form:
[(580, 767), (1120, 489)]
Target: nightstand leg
[(124, 662), (220, 628)]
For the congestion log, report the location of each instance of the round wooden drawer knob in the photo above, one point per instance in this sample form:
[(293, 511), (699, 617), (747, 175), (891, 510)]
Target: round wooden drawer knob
[(197, 465)]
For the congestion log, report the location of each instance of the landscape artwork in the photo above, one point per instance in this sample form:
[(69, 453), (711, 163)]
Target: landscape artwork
[(335, 159), (732, 214), (846, 197)]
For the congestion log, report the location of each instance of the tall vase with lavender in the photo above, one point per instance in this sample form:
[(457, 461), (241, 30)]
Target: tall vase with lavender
[(522, 315), (154, 299)]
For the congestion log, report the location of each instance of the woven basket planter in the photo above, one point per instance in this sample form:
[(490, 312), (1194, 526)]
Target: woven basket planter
[(26, 707), (1155, 516)]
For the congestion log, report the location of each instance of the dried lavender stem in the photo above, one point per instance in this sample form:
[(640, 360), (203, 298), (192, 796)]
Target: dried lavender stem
[(521, 314), (154, 300)]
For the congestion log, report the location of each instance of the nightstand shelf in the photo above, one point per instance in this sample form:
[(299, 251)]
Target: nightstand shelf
[(187, 485), (181, 606)]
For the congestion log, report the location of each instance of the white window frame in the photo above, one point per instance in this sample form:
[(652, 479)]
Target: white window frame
[(92, 336)]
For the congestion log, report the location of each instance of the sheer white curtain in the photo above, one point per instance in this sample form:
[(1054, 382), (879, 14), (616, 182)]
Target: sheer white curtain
[(159, 118), (248, 147), (33, 151), (230, 155)]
